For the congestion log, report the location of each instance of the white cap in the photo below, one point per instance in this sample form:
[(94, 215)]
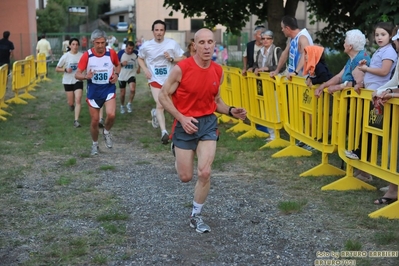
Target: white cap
[(394, 38)]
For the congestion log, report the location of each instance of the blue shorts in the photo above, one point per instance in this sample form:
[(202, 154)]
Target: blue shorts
[(207, 130)]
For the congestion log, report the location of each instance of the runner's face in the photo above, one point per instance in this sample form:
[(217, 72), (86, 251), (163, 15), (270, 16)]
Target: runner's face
[(204, 45), (74, 47), (159, 32), (129, 49), (99, 45)]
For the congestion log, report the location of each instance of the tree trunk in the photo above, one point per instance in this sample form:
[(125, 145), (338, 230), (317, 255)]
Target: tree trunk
[(275, 11)]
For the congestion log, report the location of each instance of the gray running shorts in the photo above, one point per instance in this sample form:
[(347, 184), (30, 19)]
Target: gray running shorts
[(207, 130)]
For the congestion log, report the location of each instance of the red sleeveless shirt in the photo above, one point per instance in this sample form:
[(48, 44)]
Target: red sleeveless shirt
[(198, 88)]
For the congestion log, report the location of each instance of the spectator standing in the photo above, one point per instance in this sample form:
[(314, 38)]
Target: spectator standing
[(388, 91), (68, 65), (268, 56), (102, 68), (43, 46), (156, 59), (376, 74), (128, 59), (252, 48), (315, 68), (298, 39), (65, 44), (190, 49), (6, 50), (266, 60), (192, 95)]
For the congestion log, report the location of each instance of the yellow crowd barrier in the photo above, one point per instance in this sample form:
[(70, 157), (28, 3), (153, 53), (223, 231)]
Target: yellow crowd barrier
[(310, 120), (32, 72), (20, 81), (379, 139), (265, 107), (3, 88), (231, 94), (41, 67)]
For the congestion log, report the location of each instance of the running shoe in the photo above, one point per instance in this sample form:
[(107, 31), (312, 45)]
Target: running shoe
[(94, 150), (165, 138), (198, 224), (101, 123), (108, 140), (76, 123), (122, 109), (71, 108), (155, 123), (129, 107), (351, 155), (300, 144)]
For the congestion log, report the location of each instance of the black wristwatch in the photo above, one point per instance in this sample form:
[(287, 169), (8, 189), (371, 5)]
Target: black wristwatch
[(117, 74), (171, 59), (231, 107)]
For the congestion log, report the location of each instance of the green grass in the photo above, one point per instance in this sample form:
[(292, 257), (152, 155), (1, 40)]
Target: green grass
[(352, 245), (288, 207)]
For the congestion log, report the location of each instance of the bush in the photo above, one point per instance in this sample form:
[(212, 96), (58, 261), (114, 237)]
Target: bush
[(336, 61)]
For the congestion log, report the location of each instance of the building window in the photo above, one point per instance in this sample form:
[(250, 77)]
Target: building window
[(172, 24), (196, 24), (121, 18)]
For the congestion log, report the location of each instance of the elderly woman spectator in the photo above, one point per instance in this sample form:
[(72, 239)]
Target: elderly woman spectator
[(349, 76), (268, 56)]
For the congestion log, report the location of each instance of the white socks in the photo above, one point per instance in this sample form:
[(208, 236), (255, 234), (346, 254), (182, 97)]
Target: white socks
[(196, 208)]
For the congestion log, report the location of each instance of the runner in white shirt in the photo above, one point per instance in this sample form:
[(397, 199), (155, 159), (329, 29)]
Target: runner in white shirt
[(74, 88), (156, 58), (128, 58)]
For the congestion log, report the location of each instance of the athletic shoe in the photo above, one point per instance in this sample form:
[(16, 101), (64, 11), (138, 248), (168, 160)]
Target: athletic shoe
[(172, 148), (307, 147), (94, 150), (76, 123), (101, 123), (384, 189), (351, 155), (165, 138), (108, 140), (71, 108), (129, 107), (300, 144), (198, 224), (155, 123), (122, 109)]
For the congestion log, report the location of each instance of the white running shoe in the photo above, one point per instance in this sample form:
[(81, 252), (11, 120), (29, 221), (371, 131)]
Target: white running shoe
[(108, 140), (198, 224), (94, 150), (122, 109), (129, 107)]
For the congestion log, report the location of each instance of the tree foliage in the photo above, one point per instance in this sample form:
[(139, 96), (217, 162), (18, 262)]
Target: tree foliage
[(234, 14), (55, 17), (341, 15)]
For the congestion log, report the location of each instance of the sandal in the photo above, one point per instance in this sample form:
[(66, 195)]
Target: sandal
[(384, 200)]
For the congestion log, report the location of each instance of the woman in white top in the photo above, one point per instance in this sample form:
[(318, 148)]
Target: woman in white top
[(74, 88)]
